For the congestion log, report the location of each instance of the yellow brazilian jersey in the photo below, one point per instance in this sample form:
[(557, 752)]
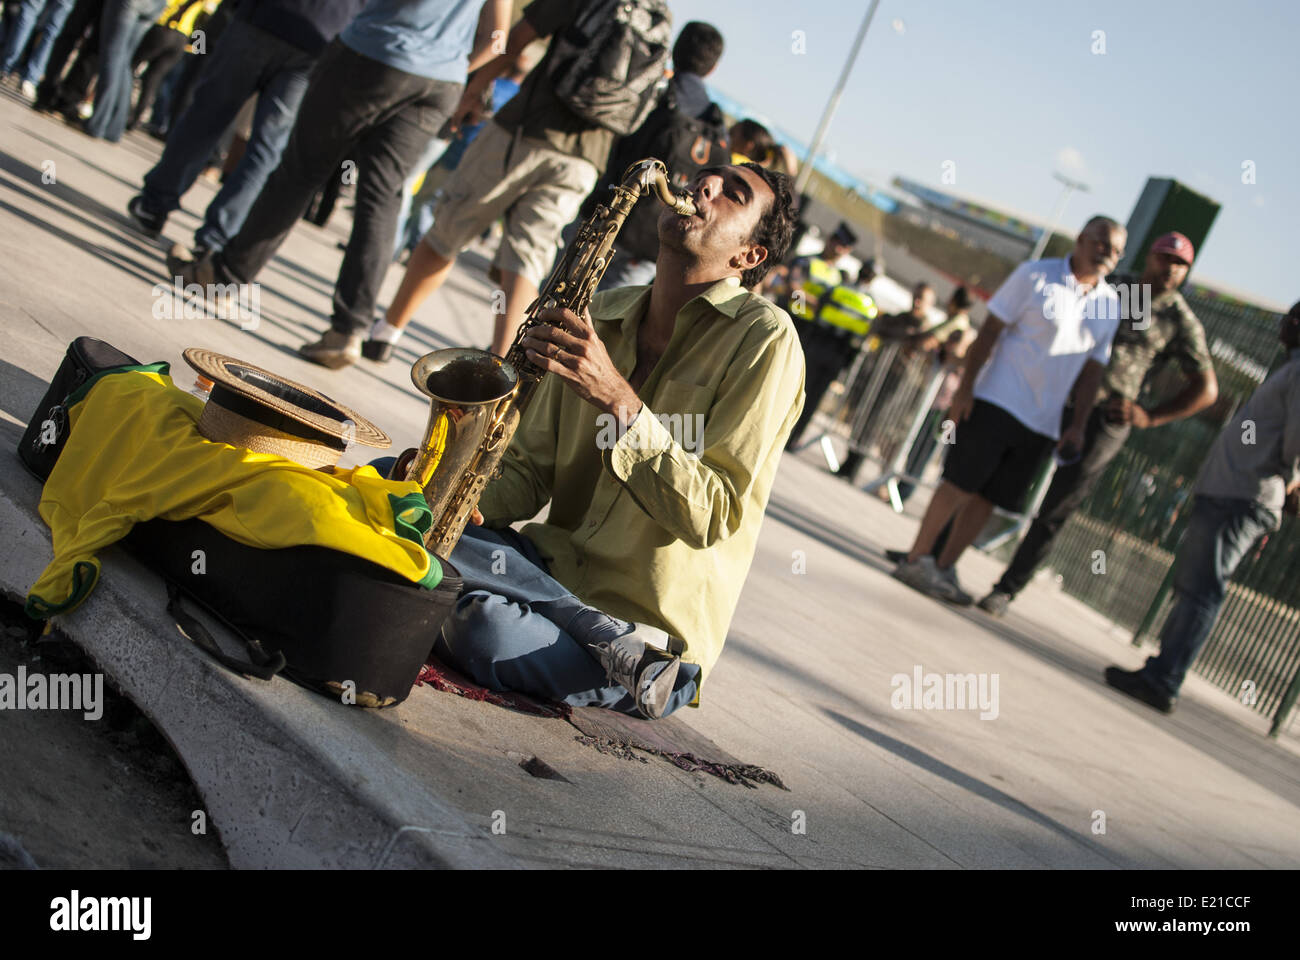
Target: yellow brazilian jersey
[(134, 453)]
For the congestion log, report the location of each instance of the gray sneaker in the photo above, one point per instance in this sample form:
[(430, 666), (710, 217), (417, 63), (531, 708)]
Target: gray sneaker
[(640, 663), (921, 574), (950, 589), (996, 603)]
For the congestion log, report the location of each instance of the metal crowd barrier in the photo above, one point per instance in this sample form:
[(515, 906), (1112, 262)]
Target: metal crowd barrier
[(883, 402), (884, 408)]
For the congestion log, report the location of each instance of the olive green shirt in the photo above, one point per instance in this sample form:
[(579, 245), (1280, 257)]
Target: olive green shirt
[(1173, 332), (659, 526)]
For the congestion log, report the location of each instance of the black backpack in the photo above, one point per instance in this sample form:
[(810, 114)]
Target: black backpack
[(606, 67), (684, 143)]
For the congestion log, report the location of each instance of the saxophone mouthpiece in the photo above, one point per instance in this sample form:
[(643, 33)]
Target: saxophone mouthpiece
[(651, 176)]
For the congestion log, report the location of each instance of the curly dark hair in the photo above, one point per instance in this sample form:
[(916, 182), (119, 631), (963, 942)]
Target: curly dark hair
[(776, 227)]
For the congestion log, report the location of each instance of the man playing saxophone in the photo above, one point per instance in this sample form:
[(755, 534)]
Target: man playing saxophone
[(655, 442)]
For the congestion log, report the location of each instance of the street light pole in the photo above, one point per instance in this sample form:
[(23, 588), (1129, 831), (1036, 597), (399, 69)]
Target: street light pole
[(1069, 187), (805, 172)]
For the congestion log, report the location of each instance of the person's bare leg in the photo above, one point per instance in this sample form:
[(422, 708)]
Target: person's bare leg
[(945, 503), (520, 292), (966, 527), (425, 273)]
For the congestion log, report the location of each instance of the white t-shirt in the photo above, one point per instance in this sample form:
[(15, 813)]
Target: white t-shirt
[(1053, 328)]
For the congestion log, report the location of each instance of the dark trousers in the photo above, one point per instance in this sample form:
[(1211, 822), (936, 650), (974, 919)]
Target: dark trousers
[(123, 23), (248, 62), (1071, 485), (179, 99), (825, 354), (49, 93), (161, 48), (1220, 532), (359, 107)]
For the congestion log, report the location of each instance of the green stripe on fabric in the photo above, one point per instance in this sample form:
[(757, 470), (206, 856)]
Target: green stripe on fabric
[(77, 395), (84, 575), (412, 519)]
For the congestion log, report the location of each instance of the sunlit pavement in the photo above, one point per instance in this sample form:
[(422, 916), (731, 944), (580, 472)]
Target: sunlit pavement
[(1060, 772)]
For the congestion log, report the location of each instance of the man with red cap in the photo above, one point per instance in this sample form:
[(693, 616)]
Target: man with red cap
[(1156, 325)]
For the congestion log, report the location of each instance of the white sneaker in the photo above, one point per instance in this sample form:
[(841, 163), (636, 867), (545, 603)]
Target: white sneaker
[(644, 669), (28, 90)]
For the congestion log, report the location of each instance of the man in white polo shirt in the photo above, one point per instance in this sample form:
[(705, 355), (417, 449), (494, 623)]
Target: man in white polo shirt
[(1048, 330)]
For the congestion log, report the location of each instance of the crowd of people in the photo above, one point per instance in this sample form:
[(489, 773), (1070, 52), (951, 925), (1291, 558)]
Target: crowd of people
[(623, 595), (1056, 371)]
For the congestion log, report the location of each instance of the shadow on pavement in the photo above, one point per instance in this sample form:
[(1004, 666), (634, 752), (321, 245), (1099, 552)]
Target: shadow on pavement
[(979, 788), (1202, 726)]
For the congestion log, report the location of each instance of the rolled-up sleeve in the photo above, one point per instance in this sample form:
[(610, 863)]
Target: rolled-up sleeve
[(698, 498)]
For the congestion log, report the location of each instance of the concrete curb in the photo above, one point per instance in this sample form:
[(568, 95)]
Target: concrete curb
[(284, 782)]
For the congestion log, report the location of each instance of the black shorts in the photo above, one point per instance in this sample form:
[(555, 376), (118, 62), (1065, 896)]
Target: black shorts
[(996, 456)]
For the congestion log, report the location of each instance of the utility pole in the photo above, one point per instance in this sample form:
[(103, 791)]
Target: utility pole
[(805, 172), (1069, 187)]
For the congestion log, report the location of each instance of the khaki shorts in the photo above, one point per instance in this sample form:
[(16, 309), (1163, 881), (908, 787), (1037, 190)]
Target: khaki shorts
[(538, 196)]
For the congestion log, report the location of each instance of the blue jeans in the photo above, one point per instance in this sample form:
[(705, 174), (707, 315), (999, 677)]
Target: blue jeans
[(1220, 532), (246, 61), (517, 628), (29, 18), (122, 25)]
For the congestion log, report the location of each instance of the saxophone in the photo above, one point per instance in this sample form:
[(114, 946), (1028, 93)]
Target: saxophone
[(478, 398)]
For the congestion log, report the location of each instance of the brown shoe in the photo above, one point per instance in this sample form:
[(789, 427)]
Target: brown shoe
[(183, 265), (334, 350)]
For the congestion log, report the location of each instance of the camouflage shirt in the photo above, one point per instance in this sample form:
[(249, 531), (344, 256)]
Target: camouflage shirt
[(1173, 333)]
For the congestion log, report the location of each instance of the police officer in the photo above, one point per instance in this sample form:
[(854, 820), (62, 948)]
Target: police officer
[(831, 336), (811, 277)]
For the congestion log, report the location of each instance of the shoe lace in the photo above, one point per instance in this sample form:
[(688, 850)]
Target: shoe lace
[(622, 660)]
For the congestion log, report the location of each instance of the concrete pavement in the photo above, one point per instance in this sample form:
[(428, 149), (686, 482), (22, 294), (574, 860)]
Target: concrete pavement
[(804, 686)]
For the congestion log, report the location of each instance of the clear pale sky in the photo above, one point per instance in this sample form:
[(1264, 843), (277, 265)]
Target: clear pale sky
[(1008, 90)]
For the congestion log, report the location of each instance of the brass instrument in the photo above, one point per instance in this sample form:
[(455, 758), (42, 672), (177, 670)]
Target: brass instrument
[(478, 398)]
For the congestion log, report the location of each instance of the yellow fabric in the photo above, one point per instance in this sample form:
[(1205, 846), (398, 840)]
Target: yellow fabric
[(187, 11), (134, 453), (822, 276), (659, 526), (849, 309)]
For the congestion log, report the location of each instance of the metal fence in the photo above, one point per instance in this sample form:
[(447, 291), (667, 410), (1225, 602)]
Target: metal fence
[(1135, 517)]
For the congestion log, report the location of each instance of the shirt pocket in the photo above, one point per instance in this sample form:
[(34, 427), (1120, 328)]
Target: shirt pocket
[(682, 396), (682, 407)]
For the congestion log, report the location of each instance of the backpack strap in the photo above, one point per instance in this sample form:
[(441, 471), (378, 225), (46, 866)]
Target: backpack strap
[(260, 664)]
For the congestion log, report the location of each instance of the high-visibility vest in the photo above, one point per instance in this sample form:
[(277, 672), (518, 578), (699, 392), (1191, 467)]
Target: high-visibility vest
[(180, 15), (821, 277), (849, 309)]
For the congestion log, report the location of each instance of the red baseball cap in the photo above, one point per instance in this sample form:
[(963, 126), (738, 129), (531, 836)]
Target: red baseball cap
[(1176, 245)]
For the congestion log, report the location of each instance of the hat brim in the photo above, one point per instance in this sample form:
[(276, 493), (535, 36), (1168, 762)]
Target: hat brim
[(285, 399)]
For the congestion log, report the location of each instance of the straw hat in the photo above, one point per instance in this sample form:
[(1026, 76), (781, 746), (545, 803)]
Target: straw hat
[(255, 409)]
